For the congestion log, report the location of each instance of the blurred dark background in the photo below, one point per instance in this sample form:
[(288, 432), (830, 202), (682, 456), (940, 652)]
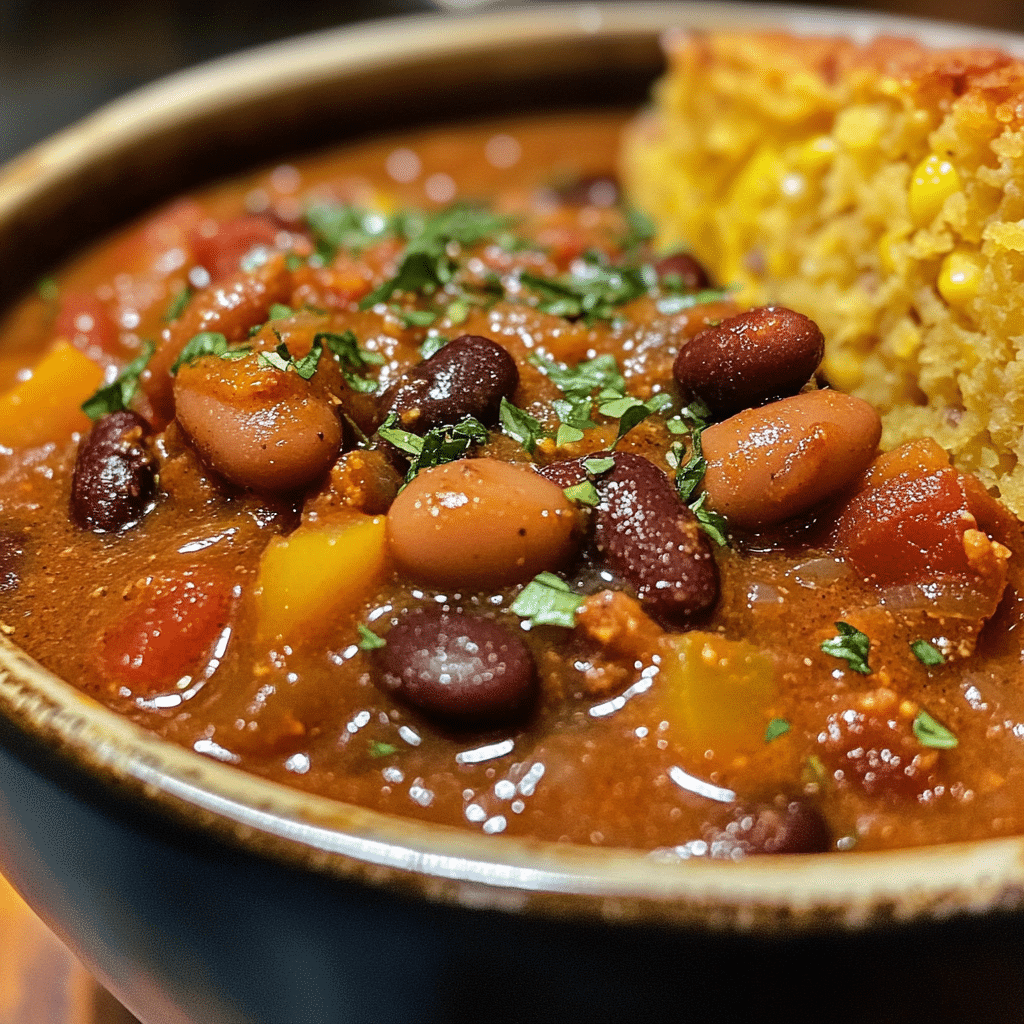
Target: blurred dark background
[(60, 59)]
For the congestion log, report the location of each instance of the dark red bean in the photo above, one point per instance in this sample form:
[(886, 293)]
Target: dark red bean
[(764, 353), (685, 269), (647, 534), (460, 669), (783, 826), (468, 377), (115, 475), (12, 551)]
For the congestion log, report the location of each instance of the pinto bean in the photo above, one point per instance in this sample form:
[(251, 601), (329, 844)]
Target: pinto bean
[(481, 524), (114, 479), (261, 428), (747, 359), (468, 377), (770, 464), (461, 669), (690, 273), (647, 534)]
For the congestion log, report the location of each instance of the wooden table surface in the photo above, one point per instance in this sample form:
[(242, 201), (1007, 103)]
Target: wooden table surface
[(41, 982)]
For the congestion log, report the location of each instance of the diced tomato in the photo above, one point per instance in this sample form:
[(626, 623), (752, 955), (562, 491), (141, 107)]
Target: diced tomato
[(169, 630), (222, 250), (84, 321), (908, 529)]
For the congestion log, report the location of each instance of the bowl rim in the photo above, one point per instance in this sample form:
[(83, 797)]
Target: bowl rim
[(83, 739)]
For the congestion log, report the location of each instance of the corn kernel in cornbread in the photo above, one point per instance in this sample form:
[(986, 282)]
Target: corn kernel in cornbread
[(880, 190)]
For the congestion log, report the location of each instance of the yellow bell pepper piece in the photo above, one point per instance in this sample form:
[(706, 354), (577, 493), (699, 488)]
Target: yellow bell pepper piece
[(722, 691), (47, 406), (318, 574)]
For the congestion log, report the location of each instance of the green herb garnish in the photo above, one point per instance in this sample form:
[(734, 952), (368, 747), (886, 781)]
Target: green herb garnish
[(776, 727), (345, 348), (639, 228), (117, 395), (349, 228), (595, 465), (368, 640), (177, 305), (669, 305), (414, 317), (378, 749), (926, 653), (436, 446), (583, 493), (427, 264), (279, 311), (713, 523), (930, 733), (281, 359), (547, 601), (206, 343), (520, 425), (852, 646), (593, 291)]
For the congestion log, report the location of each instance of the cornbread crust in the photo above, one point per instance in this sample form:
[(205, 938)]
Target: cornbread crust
[(880, 190)]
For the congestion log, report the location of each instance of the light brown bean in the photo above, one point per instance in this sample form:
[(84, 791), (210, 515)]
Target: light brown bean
[(479, 524), (262, 429), (767, 465)]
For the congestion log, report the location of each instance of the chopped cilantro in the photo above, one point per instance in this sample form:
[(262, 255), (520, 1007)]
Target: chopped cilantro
[(177, 305), (279, 311), (596, 466), (930, 733), (851, 645), (712, 523), (281, 359), (776, 727), (345, 348), (378, 749), (600, 372), (520, 425), (669, 305), (547, 601), (368, 640), (433, 344), (690, 473), (436, 446), (118, 395), (636, 413), (583, 493), (593, 290), (206, 343), (349, 228), (926, 653), (414, 317), (427, 264)]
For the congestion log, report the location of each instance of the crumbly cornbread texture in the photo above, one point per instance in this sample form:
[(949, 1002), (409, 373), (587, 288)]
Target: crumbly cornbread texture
[(880, 190)]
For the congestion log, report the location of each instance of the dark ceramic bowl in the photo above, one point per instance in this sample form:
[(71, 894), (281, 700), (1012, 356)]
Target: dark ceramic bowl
[(200, 894)]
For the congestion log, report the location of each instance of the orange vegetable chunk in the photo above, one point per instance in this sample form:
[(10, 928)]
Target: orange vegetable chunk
[(47, 406)]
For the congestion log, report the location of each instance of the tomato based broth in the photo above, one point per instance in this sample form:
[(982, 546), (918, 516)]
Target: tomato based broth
[(829, 663)]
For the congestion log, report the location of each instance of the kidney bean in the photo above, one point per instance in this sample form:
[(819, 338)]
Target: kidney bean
[(648, 535), (468, 377), (261, 428), (689, 271), (784, 826), (114, 479), (481, 524), (770, 464), (747, 359), (458, 668)]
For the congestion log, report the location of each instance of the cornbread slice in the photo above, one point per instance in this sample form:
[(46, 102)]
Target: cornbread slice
[(880, 190)]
